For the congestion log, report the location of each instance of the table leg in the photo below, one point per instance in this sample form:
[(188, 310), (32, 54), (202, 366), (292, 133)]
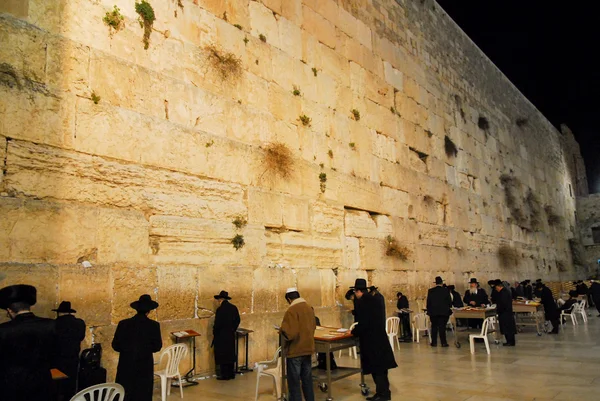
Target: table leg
[(328, 363)]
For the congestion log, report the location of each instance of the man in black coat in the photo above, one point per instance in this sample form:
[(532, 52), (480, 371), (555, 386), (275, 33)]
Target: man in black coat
[(456, 298), (595, 293), (506, 318), (569, 302), (227, 320), (439, 304), (475, 297), (376, 355), (136, 339), (70, 332), (404, 315), (582, 288), (528, 289), (519, 290), (380, 300), (27, 345), (550, 308)]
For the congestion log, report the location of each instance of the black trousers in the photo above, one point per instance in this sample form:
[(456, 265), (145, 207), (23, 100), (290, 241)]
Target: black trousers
[(382, 383), (438, 325), (405, 320), (510, 339), (226, 371), (555, 325)]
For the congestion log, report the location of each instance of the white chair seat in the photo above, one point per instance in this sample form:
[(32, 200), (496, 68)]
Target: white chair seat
[(263, 369), (570, 313), (352, 350), (175, 354), (420, 323), (392, 326), (483, 335), (100, 392)]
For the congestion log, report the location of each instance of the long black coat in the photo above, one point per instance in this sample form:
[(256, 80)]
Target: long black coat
[(439, 302), (481, 298), (376, 354), (227, 320), (504, 308), (595, 292), (381, 302), (136, 339), (528, 290), (27, 346), (550, 307), (70, 332), (456, 299)]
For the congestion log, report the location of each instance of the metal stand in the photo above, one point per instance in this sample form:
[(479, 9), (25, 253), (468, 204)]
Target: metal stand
[(187, 379), (242, 333)]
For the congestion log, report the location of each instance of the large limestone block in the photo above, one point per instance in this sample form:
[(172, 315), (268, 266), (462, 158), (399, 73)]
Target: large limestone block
[(394, 202), (18, 8), (393, 76), (200, 242), (319, 27), (263, 22), (235, 280), (300, 250), (204, 352), (269, 288), (3, 146), (122, 236), (373, 256), (327, 218), (292, 10), (177, 290), (276, 210), (89, 289), (328, 286), (43, 277), (388, 284), (309, 286), (290, 38), (358, 223), (128, 284), (352, 253)]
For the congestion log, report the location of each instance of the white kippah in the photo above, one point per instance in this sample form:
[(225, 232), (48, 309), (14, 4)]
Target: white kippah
[(291, 289)]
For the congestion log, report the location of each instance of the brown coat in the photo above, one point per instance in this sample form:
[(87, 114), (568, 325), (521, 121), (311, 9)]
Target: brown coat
[(298, 328)]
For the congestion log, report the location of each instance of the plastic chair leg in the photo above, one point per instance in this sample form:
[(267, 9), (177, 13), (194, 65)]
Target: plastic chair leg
[(472, 344), (169, 386), (487, 344), (257, 381), (277, 387), (180, 385), (163, 388)]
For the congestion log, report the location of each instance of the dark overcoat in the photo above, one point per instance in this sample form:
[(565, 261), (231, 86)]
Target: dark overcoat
[(550, 308), (376, 354), (27, 346), (136, 339), (402, 302), (528, 290), (456, 299), (439, 302), (70, 332), (481, 298), (227, 320), (504, 308), (381, 303), (595, 292)]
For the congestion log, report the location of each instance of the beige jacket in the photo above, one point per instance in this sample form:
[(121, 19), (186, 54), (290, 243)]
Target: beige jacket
[(298, 328)]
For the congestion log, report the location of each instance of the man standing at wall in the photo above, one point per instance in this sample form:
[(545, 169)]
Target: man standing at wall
[(504, 308), (27, 345), (227, 320), (595, 293), (70, 333), (376, 355), (298, 332), (439, 304)]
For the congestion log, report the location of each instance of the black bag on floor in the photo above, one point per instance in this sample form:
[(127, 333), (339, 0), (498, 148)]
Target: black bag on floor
[(90, 371)]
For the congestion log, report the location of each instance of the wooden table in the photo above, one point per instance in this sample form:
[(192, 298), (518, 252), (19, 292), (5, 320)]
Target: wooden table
[(180, 335), (472, 313), (529, 313), (328, 340)]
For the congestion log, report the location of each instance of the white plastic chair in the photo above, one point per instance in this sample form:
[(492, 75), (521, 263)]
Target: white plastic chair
[(569, 312), (581, 310), (351, 351), (263, 369), (483, 335), (100, 392), (420, 323), (392, 325), (175, 354)]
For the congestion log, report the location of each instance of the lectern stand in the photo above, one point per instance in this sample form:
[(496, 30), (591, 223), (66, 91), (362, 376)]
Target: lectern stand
[(186, 380), (241, 333)]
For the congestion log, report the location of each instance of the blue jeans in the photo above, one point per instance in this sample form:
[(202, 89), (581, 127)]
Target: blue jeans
[(299, 369)]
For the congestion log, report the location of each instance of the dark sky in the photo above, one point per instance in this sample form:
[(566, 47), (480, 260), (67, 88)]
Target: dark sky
[(547, 49)]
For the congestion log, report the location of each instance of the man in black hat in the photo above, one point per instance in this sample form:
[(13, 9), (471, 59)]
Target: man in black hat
[(537, 291), (136, 339), (595, 294), (504, 308), (227, 320), (374, 291), (550, 309), (439, 308), (70, 333), (376, 355), (528, 289), (569, 302), (519, 290), (404, 314), (456, 298), (475, 297), (27, 345), (582, 288)]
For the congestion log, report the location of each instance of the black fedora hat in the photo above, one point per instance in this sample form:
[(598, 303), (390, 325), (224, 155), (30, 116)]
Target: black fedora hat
[(451, 287), (223, 295), (64, 307), (360, 284), (473, 281), (438, 280), (17, 293), (144, 304)]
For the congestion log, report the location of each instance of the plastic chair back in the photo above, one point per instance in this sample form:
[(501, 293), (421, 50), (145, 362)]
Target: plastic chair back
[(175, 354), (392, 325), (420, 321), (484, 327), (100, 392)]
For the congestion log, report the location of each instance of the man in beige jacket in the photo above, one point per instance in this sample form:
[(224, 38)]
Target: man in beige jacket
[(298, 331)]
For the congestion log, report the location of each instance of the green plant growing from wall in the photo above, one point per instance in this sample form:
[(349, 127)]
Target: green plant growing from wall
[(246, 40), (296, 91), (449, 147), (146, 19), (394, 249), (483, 123), (315, 71), (553, 218), (511, 188), (352, 145), (330, 154), (227, 64), (279, 160), (323, 182), (262, 38), (240, 222), (521, 122), (210, 143), (355, 114), (238, 26), (509, 257), (305, 120), (238, 242), (114, 20), (95, 98)]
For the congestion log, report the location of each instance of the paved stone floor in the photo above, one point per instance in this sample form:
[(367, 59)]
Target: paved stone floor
[(563, 367)]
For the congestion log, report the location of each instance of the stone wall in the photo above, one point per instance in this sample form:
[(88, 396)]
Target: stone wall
[(588, 214), (145, 181)]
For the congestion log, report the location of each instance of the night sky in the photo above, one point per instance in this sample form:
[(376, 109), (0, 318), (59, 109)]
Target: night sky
[(546, 49)]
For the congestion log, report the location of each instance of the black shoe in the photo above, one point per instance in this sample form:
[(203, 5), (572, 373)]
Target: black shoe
[(433, 345), (445, 345), (508, 345), (222, 378), (381, 398), (372, 397)]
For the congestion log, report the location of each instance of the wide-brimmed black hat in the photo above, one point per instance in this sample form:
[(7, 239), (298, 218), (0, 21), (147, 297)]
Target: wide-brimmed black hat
[(223, 295), (17, 293), (438, 280), (373, 288), (573, 293), (65, 307), (497, 282), (451, 287), (360, 284), (144, 304), (473, 281)]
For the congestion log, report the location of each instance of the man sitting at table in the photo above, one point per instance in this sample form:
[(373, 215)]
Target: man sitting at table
[(27, 345), (569, 302), (506, 318), (475, 297)]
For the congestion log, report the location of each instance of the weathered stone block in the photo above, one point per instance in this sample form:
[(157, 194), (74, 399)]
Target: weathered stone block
[(352, 253), (358, 223), (89, 290), (300, 250), (129, 283), (327, 218), (235, 280), (318, 26), (262, 21), (177, 290), (309, 286)]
